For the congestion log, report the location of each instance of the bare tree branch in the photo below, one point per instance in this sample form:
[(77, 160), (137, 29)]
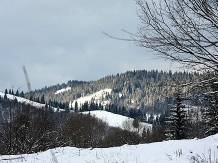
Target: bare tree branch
[(184, 31)]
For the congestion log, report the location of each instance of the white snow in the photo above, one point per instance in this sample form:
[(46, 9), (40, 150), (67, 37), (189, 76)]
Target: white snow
[(176, 151), (120, 121), (23, 100), (26, 101), (63, 90), (148, 116), (96, 97)]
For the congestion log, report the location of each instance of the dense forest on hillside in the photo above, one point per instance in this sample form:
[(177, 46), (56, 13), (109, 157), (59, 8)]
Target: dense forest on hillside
[(147, 90)]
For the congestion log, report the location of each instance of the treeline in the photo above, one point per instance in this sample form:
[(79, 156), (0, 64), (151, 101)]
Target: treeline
[(134, 113), (51, 103), (17, 93), (142, 89), (26, 129)]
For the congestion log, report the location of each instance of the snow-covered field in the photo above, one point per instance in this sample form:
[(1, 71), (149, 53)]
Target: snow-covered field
[(177, 151), (120, 121)]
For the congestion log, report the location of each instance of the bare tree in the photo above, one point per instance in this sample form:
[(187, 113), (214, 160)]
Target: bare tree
[(184, 31)]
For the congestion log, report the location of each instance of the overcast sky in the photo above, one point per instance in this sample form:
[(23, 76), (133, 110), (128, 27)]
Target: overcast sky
[(61, 40)]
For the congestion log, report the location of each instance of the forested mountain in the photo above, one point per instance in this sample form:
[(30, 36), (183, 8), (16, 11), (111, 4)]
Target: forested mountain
[(148, 90), (142, 95)]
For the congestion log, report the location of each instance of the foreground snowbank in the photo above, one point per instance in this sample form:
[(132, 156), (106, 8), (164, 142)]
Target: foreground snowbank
[(183, 151)]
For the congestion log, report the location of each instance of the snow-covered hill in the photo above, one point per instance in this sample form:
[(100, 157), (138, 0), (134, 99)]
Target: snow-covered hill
[(111, 119), (26, 101), (23, 100), (174, 151), (120, 121), (63, 90), (96, 97)]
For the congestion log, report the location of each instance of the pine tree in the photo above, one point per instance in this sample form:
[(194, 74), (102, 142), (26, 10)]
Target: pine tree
[(5, 95), (22, 94), (85, 107), (12, 92), (17, 93), (176, 122), (211, 110), (76, 107), (43, 99)]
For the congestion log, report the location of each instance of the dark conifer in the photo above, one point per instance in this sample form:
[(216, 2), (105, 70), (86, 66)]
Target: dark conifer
[(176, 123), (42, 99), (6, 91), (22, 94), (17, 93), (211, 110), (76, 107)]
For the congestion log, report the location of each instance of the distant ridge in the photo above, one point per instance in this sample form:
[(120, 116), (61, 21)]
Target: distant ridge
[(148, 90)]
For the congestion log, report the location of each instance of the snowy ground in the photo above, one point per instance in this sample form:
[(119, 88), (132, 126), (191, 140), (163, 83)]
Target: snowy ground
[(95, 97), (63, 90), (177, 151), (120, 121)]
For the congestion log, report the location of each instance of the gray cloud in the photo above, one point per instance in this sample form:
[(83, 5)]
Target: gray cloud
[(63, 40)]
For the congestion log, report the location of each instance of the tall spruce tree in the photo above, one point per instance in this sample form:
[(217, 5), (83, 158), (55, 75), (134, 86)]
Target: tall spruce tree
[(211, 109), (43, 99), (17, 93), (6, 92), (176, 122), (76, 107), (22, 94)]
